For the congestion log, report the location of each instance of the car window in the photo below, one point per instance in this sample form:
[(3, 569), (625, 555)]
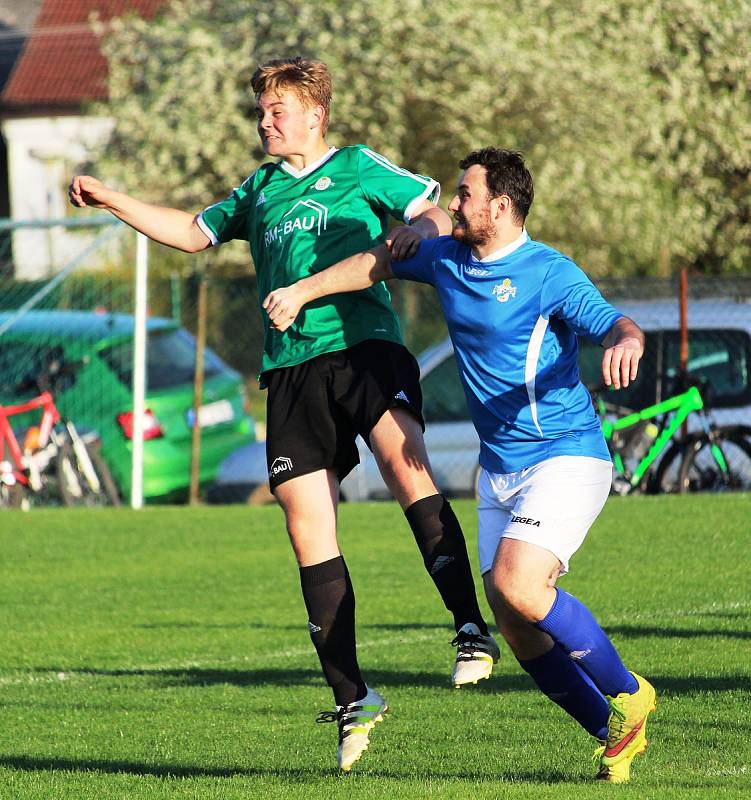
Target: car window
[(639, 393), (22, 363), (170, 359), (443, 395), (720, 357)]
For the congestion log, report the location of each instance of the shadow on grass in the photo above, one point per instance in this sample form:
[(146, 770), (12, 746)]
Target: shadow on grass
[(32, 764), (301, 626), (637, 631), (295, 775), (286, 676), (383, 678), (690, 685), (630, 631)]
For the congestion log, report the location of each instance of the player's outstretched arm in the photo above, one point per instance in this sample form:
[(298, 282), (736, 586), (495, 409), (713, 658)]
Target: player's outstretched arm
[(169, 226), (350, 275), (359, 271), (624, 347)]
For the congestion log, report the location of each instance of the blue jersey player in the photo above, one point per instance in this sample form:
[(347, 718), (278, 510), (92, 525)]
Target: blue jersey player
[(514, 307)]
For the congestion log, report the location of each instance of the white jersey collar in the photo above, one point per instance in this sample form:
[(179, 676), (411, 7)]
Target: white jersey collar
[(303, 172), (506, 250)]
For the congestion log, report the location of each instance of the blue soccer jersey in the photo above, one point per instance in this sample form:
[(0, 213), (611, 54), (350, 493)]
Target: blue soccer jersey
[(513, 318)]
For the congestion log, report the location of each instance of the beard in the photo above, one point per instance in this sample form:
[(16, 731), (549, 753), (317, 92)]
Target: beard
[(475, 232)]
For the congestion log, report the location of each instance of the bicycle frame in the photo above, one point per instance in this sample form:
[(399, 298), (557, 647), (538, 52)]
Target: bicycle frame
[(53, 460), (50, 416), (682, 405)]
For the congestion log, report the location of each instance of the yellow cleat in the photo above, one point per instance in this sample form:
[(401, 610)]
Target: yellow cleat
[(627, 732), (619, 772)]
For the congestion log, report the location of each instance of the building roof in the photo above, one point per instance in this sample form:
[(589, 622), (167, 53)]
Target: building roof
[(61, 65)]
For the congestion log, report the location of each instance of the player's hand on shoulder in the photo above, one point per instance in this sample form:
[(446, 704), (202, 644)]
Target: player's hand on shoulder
[(620, 362), (282, 307), (403, 242), (84, 190)]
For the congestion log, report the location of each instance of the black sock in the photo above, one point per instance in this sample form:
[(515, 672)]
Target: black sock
[(444, 552), (330, 601)]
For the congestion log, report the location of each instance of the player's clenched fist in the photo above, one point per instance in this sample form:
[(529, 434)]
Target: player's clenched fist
[(403, 242), (282, 306), (87, 191)]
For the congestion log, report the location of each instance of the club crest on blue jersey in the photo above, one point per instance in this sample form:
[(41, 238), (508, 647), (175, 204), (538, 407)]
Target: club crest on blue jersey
[(504, 290)]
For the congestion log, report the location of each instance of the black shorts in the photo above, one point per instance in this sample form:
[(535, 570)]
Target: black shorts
[(315, 410)]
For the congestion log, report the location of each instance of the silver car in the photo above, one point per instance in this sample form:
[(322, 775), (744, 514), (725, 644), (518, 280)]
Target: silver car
[(450, 437), (719, 352)]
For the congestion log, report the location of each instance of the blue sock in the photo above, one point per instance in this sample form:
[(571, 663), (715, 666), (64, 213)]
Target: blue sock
[(567, 685), (571, 625)]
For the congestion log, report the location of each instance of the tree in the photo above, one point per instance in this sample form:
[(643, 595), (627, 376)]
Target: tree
[(633, 116)]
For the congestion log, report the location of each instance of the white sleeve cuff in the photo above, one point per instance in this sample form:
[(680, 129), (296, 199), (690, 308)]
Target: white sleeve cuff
[(433, 186), (205, 228)]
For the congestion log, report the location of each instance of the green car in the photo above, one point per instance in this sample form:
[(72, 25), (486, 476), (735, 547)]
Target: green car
[(96, 351)]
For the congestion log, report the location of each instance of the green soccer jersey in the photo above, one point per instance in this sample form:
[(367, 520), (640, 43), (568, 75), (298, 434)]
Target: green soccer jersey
[(298, 223)]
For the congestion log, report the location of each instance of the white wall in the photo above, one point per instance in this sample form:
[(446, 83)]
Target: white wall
[(43, 154)]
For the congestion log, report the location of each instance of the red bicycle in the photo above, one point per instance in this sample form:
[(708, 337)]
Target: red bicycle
[(54, 462)]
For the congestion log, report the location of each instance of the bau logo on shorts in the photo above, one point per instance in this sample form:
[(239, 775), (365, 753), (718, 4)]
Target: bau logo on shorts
[(281, 464)]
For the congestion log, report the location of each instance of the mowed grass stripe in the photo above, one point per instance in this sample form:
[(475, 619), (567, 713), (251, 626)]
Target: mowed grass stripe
[(164, 654)]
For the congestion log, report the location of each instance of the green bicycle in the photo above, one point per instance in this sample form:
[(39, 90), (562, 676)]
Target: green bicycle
[(651, 455)]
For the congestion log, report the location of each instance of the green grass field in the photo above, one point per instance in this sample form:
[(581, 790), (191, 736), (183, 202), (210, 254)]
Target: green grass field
[(164, 654)]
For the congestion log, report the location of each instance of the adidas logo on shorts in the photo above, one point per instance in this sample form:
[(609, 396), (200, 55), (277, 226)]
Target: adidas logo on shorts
[(401, 396)]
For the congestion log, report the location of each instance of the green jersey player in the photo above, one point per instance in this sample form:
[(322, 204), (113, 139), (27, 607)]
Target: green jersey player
[(300, 222), (340, 371)]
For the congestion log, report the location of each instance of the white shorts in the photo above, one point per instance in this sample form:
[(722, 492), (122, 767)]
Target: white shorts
[(552, 505)]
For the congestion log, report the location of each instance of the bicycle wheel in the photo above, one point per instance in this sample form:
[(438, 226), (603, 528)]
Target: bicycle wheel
[(11, 496), (666, 480), (73, 485), (702, 469)]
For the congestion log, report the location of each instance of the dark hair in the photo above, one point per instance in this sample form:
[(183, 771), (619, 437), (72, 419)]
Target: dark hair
[(505, 174)]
